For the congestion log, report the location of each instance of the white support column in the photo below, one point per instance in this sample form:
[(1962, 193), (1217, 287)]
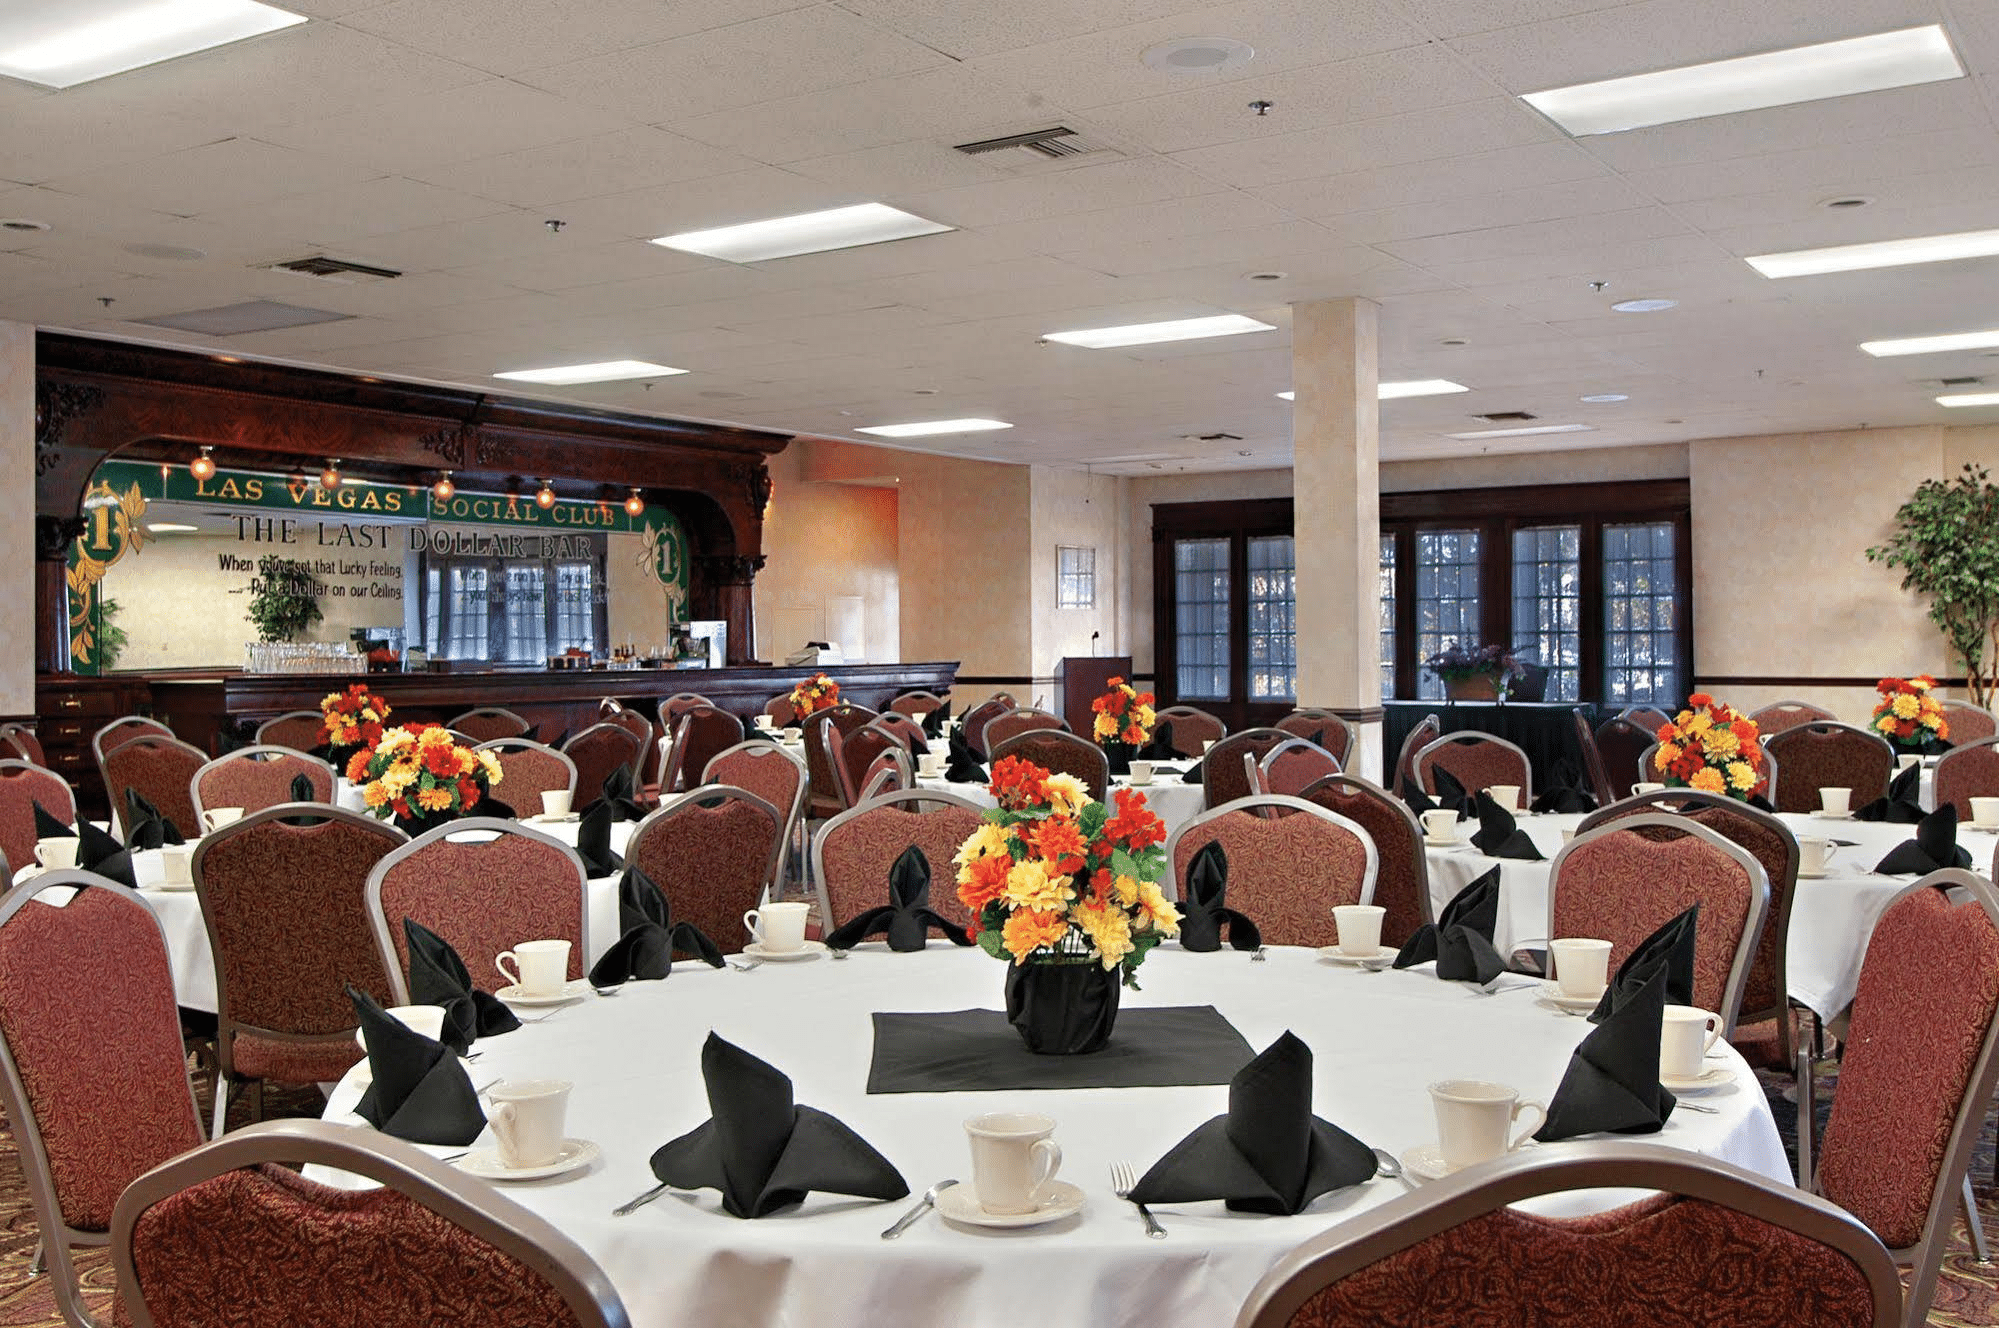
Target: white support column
[(17, 519)]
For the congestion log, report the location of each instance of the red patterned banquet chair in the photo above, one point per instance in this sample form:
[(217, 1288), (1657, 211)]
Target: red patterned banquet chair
[(852, 853), (1968, 770), (1649, 718), (1323, 727), (1021, 719), (1625, 880), (18, 741), (645, 761), (890, 773), (916, 704), (846, 719), (1228, 771), (254, 778), (1402, 872), (284, 907), (1477, 761), (852, 756), (1622, 745), (300, 730), (713, 852), (700, 734), (1779, 716), (92, 1071), (1918, 1073), (905, 731), (598, 752), (230, 1233), (1293, 766), (491, 723), (1680, 1253), (1823, 755), (1286, 872), (781, 711), (484, 885), (529, 769), (1425, 732), (1968, 722), (22, 785), (773, 774), (122, 730), (974, 727), (670, 709), (1061, 753), (163, 771), (1592, 760), (1191, 727)]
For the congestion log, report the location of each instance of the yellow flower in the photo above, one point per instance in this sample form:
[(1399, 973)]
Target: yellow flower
[(1104, 726), (434, 738), (376, 794), (1146, 716), (398, 776), (1707, 779), (1741, 777), (1027, 930), (1905, 706), (1067, 795), (1700, 724), (1886, 723), (1720, 743), (1029, 886), (1125, 888), (1157, 910), (433, 799), (988, 841), (1108, 928), (1666, 755), (491, 765)]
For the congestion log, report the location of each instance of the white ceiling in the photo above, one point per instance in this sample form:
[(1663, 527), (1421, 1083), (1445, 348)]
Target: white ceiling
[(437, 136)]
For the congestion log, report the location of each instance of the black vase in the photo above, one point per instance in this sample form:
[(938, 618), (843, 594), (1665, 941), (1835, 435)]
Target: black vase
[(1119, 753), (1062, 1009), (414, 825)]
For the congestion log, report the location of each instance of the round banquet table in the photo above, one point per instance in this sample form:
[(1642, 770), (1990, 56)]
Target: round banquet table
[(1378, 1040)]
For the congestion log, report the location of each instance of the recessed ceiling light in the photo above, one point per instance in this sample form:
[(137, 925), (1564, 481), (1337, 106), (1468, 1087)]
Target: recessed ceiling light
[(1198, 55), (604, 371), (62, 45), (1145, 334), (231, 320), (804, 233), (1419, 387), (1527, 432), (170, 528), (1752, 82), (1930, 345), (1644, 306), (1604, 398), (1880, 253), (929, 428), (1970, 399)]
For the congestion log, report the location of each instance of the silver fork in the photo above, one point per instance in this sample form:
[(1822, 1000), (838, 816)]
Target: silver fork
[(1123, 1181), (744, 966), (1259, 957)]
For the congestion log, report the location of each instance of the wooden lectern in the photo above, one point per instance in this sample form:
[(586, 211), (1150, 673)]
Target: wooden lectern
[(1081, 679)]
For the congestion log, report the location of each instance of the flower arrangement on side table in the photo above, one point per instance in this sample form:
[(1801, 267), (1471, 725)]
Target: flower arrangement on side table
[(1910, 716), (350, 721), (417, 775), (1713, 748), (818, 692), (1123, 723), (1068, 890), (1472, 673)]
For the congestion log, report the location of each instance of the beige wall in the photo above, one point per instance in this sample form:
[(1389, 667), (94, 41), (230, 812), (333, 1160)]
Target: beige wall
[(17, 519), (1070, 507), (831, 569)]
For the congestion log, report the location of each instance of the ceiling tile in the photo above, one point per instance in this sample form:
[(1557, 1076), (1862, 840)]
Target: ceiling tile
[(1085, 189), (480, 120), (1844, 167), (1500, 170), (507, 36), (964, 31), (898, 170), (1253, 248), (584, 167), (1547, 203), (1392, 140), (1459, 18), (376, 207), (720, 200), (215, 176)]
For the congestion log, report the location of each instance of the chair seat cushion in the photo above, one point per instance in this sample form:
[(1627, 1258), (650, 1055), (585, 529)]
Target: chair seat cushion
[(288, 1062)]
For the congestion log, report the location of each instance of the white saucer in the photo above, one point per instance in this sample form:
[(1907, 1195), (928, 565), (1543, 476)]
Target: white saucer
[(1700, 1083), (173, 887), (485, 1162), (1129, 782), (569, 991), (1453, 842), (960, 1204), (1379, 959), (1551, 992), (810, 950), (1426, 1163), (1988, 829), (1823, 815), (542, 818), (1804, 875)]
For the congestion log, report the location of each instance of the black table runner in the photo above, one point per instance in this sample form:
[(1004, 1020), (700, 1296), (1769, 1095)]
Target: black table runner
[(969, 1051)]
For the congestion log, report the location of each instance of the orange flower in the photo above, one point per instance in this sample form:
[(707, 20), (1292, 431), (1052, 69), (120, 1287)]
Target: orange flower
[(357, 766), (1135, 827), (1029, 930), (983, 881), (1018, 784), (1058, 840), (1700, 700)]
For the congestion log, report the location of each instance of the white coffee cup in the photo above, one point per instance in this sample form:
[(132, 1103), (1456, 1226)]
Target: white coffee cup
[(1582, 967), (1474, 1118), (540, 967), (527, 1119), (425, 1019), (1360, 928), (176, 864), (1506, 795), (1568, 834), (1141, 773), (1985, 813), (1835, 801), (1684, 1038), (930, 765), (57, 851), (1207, 745), (1813, 855), (1643, 786), (1440, 823), (777, 927), (1013, 1160), (765, 721), (791, 734), (1904, 762), (214, 818), (555, 803)]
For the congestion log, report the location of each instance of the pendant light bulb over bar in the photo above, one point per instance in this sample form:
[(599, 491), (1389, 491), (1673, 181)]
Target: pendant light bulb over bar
[(444, 488), (544, 497), (330, 477), (203, 466), (635, 505)]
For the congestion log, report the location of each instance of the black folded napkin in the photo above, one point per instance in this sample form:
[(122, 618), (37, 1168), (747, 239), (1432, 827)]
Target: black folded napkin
[(1498, 836), (1902, 805), (648, 936), (1269, 1153), (1461, 938), (419, 1091), (619, 796), (762, 1151), (302, 789), (1762, 804), (98, 852), (1564, 793), (1204, 910), (1160, 746), (762, 735), (1195, 773), (499, 811), (1612, 1083), (933, 723), (1450, 794), (593, 841), (963, 767), (907, 918), (1669, 950), (48, 827), (1934, 847), (144, 826), (439, 977)]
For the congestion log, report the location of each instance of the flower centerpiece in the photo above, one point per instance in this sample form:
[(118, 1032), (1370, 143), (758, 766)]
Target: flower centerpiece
[(417, 775), (350, 721), (1472, 673), (1712, 748), (1068, 890), (1910, 716), (818, 692), (1123, 723)]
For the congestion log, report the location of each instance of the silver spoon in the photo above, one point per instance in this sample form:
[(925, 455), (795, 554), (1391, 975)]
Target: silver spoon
[(622, 1209), (745, 967), (1386, 1164), (923, 1205), (1258, 957)]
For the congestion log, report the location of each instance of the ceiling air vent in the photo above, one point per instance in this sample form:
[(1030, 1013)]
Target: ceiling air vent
[(1508, 416), (1960, 382), (1054, 144), (1219, 437), (334, 269)]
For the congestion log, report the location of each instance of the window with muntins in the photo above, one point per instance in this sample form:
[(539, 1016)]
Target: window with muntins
[(1447, 598), (1547, 605), (1273, 619), (1641, 613), (1201, 617)]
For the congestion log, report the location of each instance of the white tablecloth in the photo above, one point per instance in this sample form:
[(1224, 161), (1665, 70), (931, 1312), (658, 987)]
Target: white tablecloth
[(1831, 918), (1379, 1039), (1171, 801)]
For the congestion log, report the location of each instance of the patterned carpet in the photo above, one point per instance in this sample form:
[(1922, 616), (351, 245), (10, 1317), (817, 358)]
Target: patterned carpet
[(1967, 1292)]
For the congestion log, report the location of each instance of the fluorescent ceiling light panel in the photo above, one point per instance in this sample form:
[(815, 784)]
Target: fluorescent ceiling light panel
[(1146, 334), (1931, 345), (1880, 253), (60, 45), (1527, 432), (605, 371), (1419, 387), (806, 233), (1753, 82), (930, 428), (1970, 399)]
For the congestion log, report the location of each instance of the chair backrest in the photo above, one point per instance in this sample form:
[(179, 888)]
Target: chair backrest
[(1477, 761), (1622, 744), (20, 741), (1680, 1252), (1649, 718), (162, 770), (888, 773), (904, 729), (1426, 731), (598, 752), (1225, 770), (431, 1239), (916, 704), (300, 730), (974, 727), (700, 733), (852, 853), (1918, 1070), (1021, 719), (1326, 728), (673, 707), (1623, 881), (1061, 753), (1402, 871), (529, 769), (1191, 727), (1968, 722), (1781, 715), (845, 719), (1286, 872), (641, 729), (1592, 759), (1968, 770), (121, 731), (254, 778), (484, 885), (22, 785), (765, 769), (1823, 755), (781, 709), (1292, 767), (713, 851), (853, 754), (491, 723)]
